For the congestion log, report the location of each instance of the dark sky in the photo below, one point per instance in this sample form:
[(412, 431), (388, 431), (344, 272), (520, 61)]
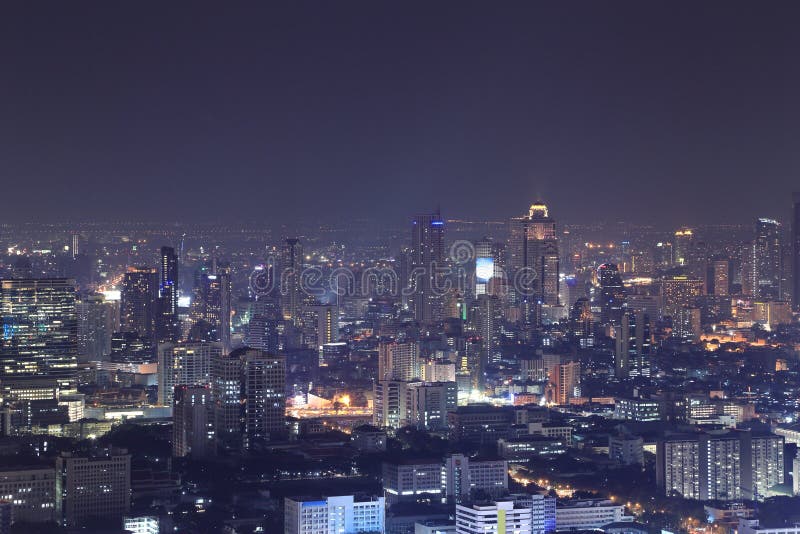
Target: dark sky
[(662, 112)]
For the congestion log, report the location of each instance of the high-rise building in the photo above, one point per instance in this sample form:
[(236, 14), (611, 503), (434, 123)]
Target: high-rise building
[(533, 247), (720, 277), (264, 391), (682, 246), (192, 422), (679, 291), (502, 517), (211, 307), (139, 301), (632, 357), (167, 321), (487, 318), (718, 465), (566, 378), (411, 480), (430, 403), (768, 259), (98, 319), (334, 514), (226, 391), (93, 487), (186, 364), (398, 360), (39, 347), (427, 258), (391, 404), (612, 294), (291, 272)]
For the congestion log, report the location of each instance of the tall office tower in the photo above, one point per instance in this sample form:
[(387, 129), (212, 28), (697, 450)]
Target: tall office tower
[(682, 247), (663, 255), (796, 250), (533, 246), (427, 256), (762, 464), (678, 466), (290, 279), (487, 318), (262, 332), (489, 275), (502, 517), (398, 360), (768, 259), (167, 322), (720, 467), (430, 403), (211, 308), (566, 378), (612, 294), (320, 325), (749, 270), (226, 392), (264, 390), (76, 245), (334, 514), (687, 325), (89, 487), (39, 348), (632, 356), (192, 422), (391, 404), (184, 364), (98, 319), (679, 291), (139, 301), (720, 277), (581, 319)]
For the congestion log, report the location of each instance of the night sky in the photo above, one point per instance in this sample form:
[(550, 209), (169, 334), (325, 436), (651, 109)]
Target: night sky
[(652, 112)]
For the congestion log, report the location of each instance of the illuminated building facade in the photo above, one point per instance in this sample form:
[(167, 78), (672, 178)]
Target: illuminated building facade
[(264, 389), (40, 337), (192, 422), (632, 357), (184, 364), (426, 256), (533, 246), (139, 301), (167, 321)]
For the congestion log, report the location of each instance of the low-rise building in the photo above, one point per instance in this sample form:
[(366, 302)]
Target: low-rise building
[(588, 514), (334, 514)]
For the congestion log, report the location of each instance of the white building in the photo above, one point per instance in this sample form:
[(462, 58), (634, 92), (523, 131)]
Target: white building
[(344, 514), (462, 475), (588, 514), (750, 526), (543, 511), (184, 364), (796, 475), (626, 449), (143, 524), (502, 517)]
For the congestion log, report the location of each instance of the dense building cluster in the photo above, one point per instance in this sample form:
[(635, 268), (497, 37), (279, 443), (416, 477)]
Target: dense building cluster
[(450, 376)]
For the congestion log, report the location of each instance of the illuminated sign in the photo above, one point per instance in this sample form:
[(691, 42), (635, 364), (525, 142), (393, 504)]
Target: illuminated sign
[(484, 269)]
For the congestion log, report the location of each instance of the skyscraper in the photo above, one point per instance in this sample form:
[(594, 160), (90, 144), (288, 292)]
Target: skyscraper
[(139, 301), (192, 422), (533, 247), (97, 486), (426, 256), (39, 350), (398, 360), (184, 364), (291, 272), (98, 319), (682, 248), (211, 308), (612, 294), (768, 259), (264, 389), (226, 390), (633, 345), (168, 325)]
